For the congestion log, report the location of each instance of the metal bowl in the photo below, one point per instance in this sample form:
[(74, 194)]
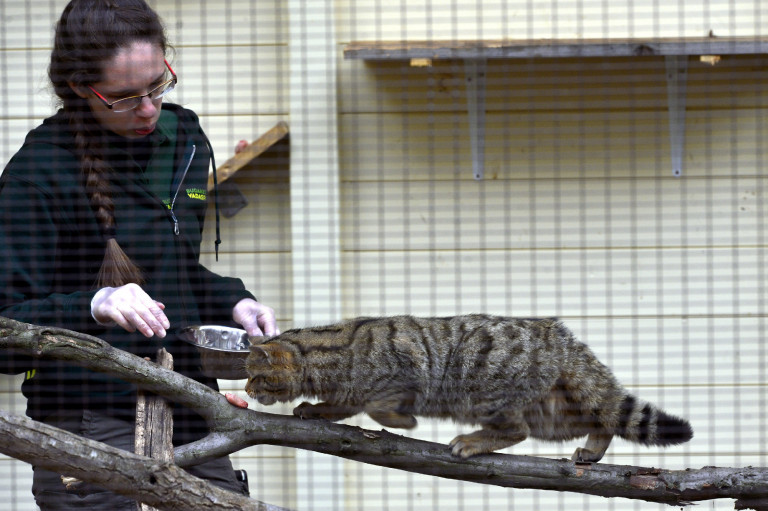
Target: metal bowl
[(217, 338), (223, 349)]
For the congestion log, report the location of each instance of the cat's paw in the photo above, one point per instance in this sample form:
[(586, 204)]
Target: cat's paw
[(465, 446), (307, 411), (584, 455)]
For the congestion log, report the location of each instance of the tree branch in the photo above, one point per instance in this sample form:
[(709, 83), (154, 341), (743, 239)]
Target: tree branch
[(234, 429), (160, 484), (382, 448)]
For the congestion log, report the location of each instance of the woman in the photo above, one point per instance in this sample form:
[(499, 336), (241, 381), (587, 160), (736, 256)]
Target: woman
[(102, 215)]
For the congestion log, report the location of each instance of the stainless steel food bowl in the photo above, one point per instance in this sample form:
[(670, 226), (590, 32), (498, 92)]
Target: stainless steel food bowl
[(223, 349), (218, 338)]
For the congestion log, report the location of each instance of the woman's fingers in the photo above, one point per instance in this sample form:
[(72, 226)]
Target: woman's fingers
[(131, 308), (236, 400)]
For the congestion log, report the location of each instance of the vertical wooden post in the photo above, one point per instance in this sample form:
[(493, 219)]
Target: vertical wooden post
[(154, 423), (315, 207), (315, 197)]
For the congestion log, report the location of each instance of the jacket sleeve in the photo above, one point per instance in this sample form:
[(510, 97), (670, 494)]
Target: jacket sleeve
[(220, 297), (30, 237)]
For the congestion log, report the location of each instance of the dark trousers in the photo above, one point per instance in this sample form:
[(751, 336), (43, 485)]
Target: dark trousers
[(51, 494)]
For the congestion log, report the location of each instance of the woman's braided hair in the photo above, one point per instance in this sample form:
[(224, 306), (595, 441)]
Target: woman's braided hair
[(89, 33)]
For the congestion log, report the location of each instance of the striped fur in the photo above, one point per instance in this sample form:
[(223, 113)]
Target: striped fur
[(514, 377)]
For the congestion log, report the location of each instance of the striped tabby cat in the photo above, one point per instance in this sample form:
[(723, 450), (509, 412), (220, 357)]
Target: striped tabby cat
[(514, 377)]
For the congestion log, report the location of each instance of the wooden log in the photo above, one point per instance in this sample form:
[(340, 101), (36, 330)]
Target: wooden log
[(154, 423)]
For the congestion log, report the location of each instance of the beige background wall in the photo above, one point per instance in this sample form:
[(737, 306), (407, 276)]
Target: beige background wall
[(578, 216)]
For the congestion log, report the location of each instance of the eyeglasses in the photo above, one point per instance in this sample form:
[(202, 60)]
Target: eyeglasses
[(128, 104)]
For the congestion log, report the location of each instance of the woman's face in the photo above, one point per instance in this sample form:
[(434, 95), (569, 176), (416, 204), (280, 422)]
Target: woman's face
[(134, 71)]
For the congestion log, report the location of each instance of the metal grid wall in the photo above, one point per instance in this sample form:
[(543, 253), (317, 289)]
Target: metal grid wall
[(375, 210)]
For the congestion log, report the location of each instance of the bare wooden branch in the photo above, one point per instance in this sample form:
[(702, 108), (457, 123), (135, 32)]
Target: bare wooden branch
[(234, 429), (154, 420), (385, 449), (154, 423), (160, 484)]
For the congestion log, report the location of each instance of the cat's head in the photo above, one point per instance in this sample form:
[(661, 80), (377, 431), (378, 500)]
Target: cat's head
[(273, 373)]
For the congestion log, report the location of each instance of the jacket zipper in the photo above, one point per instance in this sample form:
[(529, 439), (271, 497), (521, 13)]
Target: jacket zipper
[(178, 188)]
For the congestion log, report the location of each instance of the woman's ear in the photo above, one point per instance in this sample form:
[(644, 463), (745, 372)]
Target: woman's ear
[(77, 89)]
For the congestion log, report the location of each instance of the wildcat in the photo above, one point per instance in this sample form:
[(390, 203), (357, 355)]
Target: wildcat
[(514, 377)]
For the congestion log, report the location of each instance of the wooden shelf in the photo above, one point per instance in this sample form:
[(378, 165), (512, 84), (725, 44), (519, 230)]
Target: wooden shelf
[(475, 55), (551, 48), (245, 157)]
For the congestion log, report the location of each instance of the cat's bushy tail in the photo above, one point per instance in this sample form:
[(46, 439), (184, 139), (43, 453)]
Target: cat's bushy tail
[(646, 424)]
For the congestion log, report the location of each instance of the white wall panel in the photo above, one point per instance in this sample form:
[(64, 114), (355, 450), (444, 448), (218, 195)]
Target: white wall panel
[(563, 214), (29, 94), (227, 81), (25, 25), (671, 282), (233, 23), (541, 19)]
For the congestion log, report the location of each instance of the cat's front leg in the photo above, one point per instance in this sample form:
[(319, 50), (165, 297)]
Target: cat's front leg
[(324, 410), (495, 435)]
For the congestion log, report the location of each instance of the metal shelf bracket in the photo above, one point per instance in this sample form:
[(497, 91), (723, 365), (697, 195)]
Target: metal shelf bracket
[(677, 78), (474, 73)]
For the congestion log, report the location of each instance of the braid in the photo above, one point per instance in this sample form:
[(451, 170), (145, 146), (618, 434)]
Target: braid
[(89, 33), (117, 269)]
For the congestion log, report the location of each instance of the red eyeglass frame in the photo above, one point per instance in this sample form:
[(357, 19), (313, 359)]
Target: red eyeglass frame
[(109, 105)]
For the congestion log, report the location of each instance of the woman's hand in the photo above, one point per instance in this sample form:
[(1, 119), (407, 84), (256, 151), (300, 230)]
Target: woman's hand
[(256, 318), (131, 308)]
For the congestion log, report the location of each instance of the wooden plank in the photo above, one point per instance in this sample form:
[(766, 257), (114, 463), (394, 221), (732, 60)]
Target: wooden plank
[(547, 48), (251, 152), (552, 85), (154, 419), (154, 423)]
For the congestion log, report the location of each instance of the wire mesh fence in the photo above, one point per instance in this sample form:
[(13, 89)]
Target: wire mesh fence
[(598, 162)]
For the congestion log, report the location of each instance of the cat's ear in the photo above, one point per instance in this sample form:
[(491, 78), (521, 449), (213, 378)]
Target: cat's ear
[(273, 354), (259, 353)]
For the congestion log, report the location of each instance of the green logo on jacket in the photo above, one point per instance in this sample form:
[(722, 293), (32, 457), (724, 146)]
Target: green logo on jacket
[(197, 193), (192, 193)]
